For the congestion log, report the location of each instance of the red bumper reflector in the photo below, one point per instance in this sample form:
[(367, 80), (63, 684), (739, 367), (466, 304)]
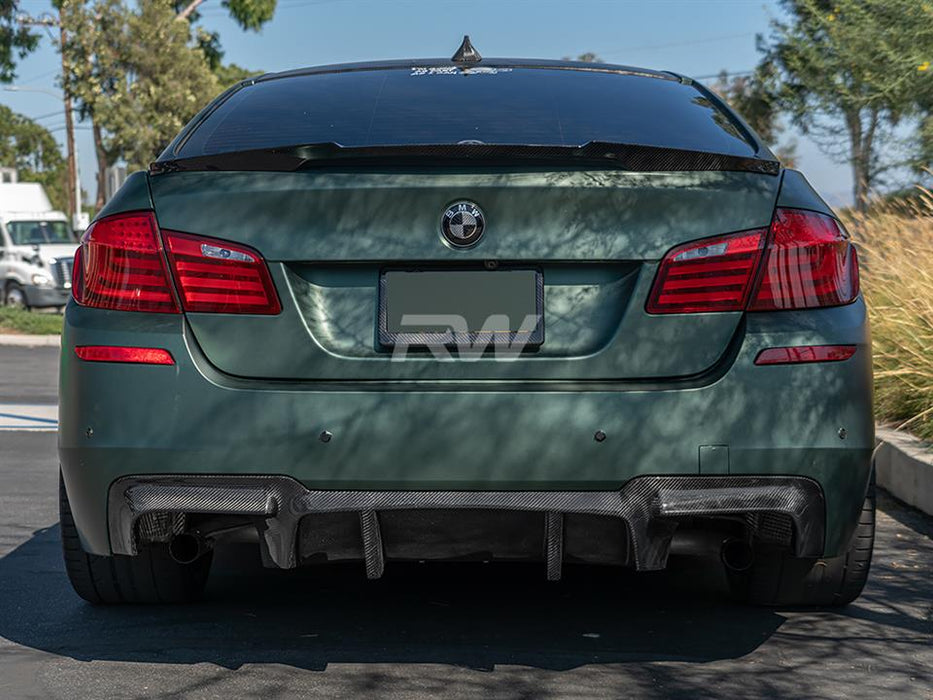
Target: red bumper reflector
[(116, 353), (805, 353)]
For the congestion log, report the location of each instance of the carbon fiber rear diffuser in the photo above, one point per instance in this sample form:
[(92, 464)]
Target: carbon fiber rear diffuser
[(649, 505)]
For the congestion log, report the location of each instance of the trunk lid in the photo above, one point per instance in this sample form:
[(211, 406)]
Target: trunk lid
[(596, 236)]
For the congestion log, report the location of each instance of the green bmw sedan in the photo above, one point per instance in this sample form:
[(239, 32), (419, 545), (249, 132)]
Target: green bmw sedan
[(467, 309)]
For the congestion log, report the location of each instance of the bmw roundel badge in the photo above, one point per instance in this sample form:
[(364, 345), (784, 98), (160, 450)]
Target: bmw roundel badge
[(463, 224)]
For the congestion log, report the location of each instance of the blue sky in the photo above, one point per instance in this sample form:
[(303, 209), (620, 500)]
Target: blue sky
[(697, 38)]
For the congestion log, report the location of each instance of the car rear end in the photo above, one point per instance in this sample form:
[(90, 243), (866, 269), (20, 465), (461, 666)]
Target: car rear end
[(584, 318)]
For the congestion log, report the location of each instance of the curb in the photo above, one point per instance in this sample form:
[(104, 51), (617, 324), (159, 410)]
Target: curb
[(31, 341), (904, 468)]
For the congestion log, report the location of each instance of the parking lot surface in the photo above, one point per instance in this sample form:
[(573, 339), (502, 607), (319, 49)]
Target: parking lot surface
[(441, 630)]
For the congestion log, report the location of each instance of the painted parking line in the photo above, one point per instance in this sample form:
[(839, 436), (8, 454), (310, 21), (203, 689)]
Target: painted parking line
[(28, 417)]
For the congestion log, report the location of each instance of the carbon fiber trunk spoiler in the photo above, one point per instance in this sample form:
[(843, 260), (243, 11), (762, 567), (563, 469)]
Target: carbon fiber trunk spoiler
[(630, 157)]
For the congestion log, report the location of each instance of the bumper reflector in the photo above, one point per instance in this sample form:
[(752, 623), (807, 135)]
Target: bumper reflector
[(116, 353), (805, 353)]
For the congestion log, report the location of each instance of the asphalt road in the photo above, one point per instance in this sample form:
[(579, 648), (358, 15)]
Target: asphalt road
[(446, 631), (28, 375)]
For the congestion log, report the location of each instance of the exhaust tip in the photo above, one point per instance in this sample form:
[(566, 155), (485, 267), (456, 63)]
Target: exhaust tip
[(186, 548), (737, 555)]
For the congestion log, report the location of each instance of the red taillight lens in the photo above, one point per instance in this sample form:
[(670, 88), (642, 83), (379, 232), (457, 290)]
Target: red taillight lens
[(119, 353), (77, 277), (805, 353), (120, 266), (810, 263), (221, 277), (714, 274)]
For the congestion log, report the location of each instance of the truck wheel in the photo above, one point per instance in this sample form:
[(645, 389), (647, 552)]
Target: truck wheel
[(778, 578), (152, 576), (15, 296)]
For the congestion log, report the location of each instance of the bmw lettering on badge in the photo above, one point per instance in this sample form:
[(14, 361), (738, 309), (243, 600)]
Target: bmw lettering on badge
[(463, 224)]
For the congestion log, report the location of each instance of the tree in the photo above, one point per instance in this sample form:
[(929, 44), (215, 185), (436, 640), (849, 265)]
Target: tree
[(850, 72), (136, 75), (587, 57), (753, 97), (32, 150), (16, 40), (92, 67), (167, 81), (249, 14), (228, 74)]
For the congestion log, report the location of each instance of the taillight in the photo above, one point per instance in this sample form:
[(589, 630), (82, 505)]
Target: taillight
[(120, 266), (217, 276), (714, 274), (810, 263)]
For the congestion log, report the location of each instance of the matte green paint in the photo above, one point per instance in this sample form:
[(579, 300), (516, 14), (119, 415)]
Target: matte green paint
[(133, 195), (798, 193), (190, 418), (714, 459), (522, 425), (596, 235), (317, 216)]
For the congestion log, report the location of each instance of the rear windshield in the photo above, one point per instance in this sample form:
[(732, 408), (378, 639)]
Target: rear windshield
[(443, 105)]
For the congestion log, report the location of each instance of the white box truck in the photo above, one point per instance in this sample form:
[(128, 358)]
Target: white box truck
[(37, 248)]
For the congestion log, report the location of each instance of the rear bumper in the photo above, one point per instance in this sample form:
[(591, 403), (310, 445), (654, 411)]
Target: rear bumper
[(46, 296), (393, 439), (650, 507)]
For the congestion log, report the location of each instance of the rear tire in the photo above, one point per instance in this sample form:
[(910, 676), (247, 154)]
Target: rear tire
[(778, 578), (152, 576)]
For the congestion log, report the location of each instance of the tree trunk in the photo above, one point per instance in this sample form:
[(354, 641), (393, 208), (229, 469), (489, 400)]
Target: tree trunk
[(861, 155), (860, 185), (857, 160), (74, 187), (101, 166)]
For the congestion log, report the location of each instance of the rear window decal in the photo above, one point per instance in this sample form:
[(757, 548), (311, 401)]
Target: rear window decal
[(456, 70)]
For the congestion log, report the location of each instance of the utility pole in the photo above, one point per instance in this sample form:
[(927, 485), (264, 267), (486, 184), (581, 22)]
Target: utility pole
[(73, 177), (78, 220)]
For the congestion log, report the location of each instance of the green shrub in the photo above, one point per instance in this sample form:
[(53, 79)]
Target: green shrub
[(896, 248)]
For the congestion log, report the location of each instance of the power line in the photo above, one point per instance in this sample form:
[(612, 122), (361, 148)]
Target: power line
[(48, 22), (63, 126), (725, 74), (674, 44), (56, 113), (38, 77)]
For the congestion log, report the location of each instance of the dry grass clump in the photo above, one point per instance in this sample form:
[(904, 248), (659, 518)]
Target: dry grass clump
[(896, 247)]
